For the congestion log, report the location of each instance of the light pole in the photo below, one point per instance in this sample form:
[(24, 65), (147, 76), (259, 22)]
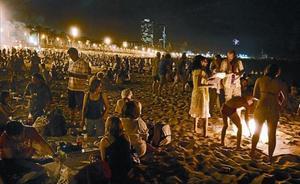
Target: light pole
[(74, 31), (107, 40), (125, 44)]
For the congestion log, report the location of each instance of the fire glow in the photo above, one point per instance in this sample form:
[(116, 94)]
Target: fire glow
[(248, 131)]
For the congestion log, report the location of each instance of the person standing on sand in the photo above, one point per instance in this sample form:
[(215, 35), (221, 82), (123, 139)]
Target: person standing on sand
[(155, 76), (271, 93), (181, 72), (200, 96), (95, 109), (79, 71), (234, 69), (214, 91), (229, 110), (165, 68)]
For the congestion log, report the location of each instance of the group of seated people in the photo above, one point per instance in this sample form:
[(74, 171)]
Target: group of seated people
[(123, 139)]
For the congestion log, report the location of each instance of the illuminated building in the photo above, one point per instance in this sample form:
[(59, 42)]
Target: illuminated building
[(160, 35), (147, 32)]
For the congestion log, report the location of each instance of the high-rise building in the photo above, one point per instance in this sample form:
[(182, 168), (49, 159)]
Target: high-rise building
[(160, 35), (147, 31)]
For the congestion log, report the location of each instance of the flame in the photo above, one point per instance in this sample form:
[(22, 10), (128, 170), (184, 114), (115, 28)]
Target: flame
[(248, 131)]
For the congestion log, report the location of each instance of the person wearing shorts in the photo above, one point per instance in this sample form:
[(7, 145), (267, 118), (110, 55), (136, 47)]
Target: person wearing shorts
[(229, 110), (75, 99), (79, 71)]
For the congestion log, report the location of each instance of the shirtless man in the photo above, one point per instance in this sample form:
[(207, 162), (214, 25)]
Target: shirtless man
[(229, 110), (271, 93)]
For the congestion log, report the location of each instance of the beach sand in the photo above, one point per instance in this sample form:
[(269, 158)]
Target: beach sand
[(190, 158)]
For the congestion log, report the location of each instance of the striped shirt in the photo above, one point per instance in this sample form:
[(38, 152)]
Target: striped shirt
[(79, 72)]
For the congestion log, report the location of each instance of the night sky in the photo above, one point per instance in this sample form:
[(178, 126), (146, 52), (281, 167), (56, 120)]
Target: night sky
[(272, 25)]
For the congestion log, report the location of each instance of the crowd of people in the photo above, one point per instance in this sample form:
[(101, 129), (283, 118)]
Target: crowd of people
[(217, 88)]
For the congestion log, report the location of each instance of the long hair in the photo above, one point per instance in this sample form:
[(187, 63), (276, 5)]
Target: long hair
[(272, 71), (131, 110), (94, 84), (113, 127), (39, 77), (196, 65), (126, 93)]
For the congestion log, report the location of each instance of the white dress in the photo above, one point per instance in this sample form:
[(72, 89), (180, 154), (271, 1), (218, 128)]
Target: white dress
[(200, 96)]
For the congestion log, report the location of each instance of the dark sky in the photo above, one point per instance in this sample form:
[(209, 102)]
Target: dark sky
[(272, 25)]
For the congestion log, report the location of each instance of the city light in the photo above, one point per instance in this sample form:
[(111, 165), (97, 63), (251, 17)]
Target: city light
[(42, 37), (33, 40), (107, 40), (125, 44), (57, 39), (74, 31), (135, 47)]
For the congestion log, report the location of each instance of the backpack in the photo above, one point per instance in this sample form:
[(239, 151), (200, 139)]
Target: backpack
[(161, 134)]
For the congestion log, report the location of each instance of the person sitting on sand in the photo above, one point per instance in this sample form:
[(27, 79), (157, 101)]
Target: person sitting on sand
[(229, 111), (40, 96), (115, 149), (6, 110), (293, 100), (200, 97), (135, 128), (271, 93), (17, 146), (126, 96)]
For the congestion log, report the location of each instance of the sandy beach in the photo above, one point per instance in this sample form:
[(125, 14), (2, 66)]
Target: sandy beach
[(191, 158)]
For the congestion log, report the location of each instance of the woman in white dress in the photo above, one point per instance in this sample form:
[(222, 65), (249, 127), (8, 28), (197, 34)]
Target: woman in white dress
[(200, 96)]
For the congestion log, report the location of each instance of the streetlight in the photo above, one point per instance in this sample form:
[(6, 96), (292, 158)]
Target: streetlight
[(125, 44), (107, 40), (74, 31)]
